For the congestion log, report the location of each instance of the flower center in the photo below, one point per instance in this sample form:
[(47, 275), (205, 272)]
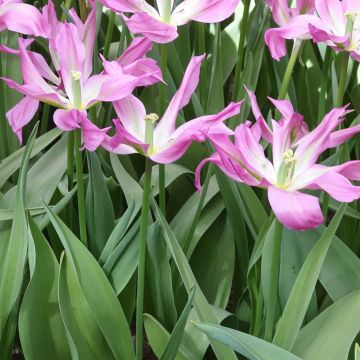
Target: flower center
[(150, 121), (287, 169), (76, 88)]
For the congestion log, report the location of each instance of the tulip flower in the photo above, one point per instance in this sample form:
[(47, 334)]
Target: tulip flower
[(293, 24), (160, 25), (73, 90), (293, 165), (161, 141), (23, 18)]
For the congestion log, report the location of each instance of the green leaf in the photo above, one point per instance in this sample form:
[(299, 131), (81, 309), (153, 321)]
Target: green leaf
[(174, 342), (300, 296), (41, 329), (98, 292), (250, 346), (331, 334), (201, 305)]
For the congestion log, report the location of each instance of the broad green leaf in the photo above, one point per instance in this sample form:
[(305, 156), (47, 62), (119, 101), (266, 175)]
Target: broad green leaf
[(250, 346), (331, 334), (174, 342), (100, 216), (289, 325), (41, 328), (98, 292), (201, 305)]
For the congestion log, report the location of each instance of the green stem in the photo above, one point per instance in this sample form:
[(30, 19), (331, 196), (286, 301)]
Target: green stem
[(270, 315), (80, 186), (70, 160), (3, 128), (109, 34), (289, 69), (142, 259), (343, 76), (241, 49), (324, 83), (83, 10), (162, 99), (203, 70), (44, 118)]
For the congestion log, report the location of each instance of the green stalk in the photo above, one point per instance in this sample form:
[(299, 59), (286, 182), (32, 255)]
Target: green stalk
[(109, 34), (203, 70), (83, 10), (270, 315), (162, 99), (142, 259), (44, 118), (241, 49), (289, 69), (324, 83), (4, 139), (80, 186), (342, 81), (70, 160), (67, 7)]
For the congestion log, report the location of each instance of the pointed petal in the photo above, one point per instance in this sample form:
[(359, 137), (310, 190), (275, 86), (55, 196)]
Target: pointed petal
[(21, 114), (339, 137), (181, 98), (25, 19), (150, 27), (350, 170), (138, 48), (338, 187), (67, 120), (332, 14), (280, 11), (207, 11), (93, 136), (147, 70), (124, 5), (295, 210)]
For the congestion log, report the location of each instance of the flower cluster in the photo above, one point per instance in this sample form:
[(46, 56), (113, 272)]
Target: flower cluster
[(286, 164)]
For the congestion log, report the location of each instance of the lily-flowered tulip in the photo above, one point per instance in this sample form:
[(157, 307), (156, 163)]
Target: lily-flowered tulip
[(293, 24), (23, 18), (73, 90), (137, 131), (160, 25), (293, 166)]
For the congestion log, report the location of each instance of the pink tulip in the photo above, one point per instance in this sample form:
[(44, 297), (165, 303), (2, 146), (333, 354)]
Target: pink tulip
[(22, 18), (160, 25), (73, 90), (293, 166), (137, 132)]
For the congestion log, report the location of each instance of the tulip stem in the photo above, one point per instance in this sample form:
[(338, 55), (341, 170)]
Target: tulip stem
[(290, 68), (203, 70), (270, 315), (162, 98), (83, 11), (70, 172), (109, 34), (324, 83), (142, 258), (80, 186), (342, 80), (241, 49)]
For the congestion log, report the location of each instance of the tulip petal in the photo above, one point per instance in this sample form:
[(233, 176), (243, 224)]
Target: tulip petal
[(207, 11), (150, 27), (295, 210), (128, 5), (339, 137), (93, 136), (67, 120), (21, 114), (138, 48)]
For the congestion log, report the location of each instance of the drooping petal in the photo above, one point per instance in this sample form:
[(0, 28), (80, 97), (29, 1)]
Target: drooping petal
[(207, 11), (181, 98), (25, 19), (295, 210), (350, 169), (150, 27), (21, 114), (131, 113), (338, 187), (339, 137), (319, 34), (127, 5), (67, 120), (146, 70), (332, 14), (138, 48)]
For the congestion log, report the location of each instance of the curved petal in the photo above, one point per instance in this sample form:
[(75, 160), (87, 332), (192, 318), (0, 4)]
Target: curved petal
[(153, 29), (147, 70), (93, 136), (67, 120), (207, 11), (127, 5), (25, 19), (138, 48), (332, 14), (295, 210), (21, 114), (181, 98), (339, 137)]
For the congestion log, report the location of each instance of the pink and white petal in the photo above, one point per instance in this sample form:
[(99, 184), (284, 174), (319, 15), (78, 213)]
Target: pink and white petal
[(284, 107), (147, 70), (121, 149), (207, 11), (295, 210), (25, 19), (323, 35), (339, 137), (338, 187), (181, 98), (305, 6), (21, 114), (280, 12), (155, 30), (93, 136), (44, 69), (350, 170), (88, 39), (266, 132), (126, 5), (138, 48), (131, 113), (332, 14), (67, 120)]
